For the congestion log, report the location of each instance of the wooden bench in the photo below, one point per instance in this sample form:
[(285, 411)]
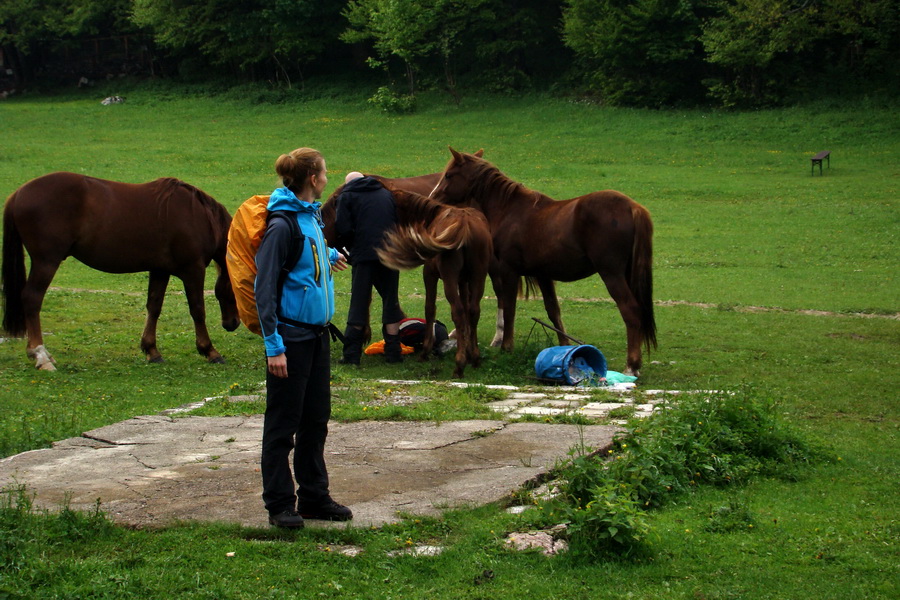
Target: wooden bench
[(817, 160)]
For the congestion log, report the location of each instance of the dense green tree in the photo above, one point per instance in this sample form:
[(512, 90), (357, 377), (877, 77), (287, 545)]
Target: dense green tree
[(276, 37), (766, 50), (416, 33), (498, 44), (643, 52), (31, 33)]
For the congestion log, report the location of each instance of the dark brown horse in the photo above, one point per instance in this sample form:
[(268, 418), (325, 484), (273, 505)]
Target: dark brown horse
[(166, 227), (456, 244), (604, 232)]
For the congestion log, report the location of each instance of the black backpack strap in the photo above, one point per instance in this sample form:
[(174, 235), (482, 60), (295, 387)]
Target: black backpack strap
[(296, 249), (297, 237)]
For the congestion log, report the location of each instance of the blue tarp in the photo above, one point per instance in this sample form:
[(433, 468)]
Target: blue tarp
[(572, 365)]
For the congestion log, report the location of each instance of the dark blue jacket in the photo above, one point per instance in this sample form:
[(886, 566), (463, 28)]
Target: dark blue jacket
[(365, 212)]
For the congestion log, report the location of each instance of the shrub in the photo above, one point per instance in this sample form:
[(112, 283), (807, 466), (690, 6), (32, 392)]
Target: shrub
[(611, 523), (714, 439), (390, 102)]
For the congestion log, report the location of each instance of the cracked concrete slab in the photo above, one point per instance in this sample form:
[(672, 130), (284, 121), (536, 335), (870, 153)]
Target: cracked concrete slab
[(158, 470)]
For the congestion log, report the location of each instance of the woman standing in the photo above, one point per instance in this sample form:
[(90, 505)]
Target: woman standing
[(294, 313)]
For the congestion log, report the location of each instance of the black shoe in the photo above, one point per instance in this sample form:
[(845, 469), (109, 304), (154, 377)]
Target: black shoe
[(326, 511), (289, 519)]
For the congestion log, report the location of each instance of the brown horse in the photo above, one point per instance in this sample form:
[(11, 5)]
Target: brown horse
[(420, 184), (424, 185), (456, 244), (604, 232), (166, 227)]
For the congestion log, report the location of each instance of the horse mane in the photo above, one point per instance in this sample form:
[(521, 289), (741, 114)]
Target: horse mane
[(415, 208), (426, 228), (490, 182), (219, 218), (329, 207)]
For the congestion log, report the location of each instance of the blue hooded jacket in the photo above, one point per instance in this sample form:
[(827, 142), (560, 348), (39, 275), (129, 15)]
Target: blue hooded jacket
[(307, 294)]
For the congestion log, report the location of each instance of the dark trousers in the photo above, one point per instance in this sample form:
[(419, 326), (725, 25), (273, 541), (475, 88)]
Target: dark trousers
[(364, 277), (297, 411)]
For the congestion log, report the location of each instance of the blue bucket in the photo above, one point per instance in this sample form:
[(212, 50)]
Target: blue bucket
[(571, 365)]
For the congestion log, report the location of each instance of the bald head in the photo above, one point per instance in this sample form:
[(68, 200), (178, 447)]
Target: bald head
[(353, 175)]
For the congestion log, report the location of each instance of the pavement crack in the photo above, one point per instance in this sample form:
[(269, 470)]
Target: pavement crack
[(475, 435), (110, 442), (142, 463)]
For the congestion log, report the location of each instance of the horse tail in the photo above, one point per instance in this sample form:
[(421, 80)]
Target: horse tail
[(13, 274), (411, 246), (528, 287), (641, 278)]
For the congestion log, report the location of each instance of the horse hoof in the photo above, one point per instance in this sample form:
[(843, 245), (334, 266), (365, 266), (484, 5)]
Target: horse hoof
[(42, 359), (156, 360), (219, 360)]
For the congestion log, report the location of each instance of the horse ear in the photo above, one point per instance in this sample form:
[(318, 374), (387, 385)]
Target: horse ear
[(456, 155), (480, 153)]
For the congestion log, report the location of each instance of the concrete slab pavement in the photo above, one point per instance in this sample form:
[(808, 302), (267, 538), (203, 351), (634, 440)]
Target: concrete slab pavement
[(158, 470), (161, 469)]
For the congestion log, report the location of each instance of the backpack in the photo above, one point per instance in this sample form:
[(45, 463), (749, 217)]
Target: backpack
[(412, 332), (244, 237)]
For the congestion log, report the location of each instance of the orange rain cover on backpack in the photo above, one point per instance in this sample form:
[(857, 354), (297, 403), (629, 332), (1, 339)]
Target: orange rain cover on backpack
[(244, 237)]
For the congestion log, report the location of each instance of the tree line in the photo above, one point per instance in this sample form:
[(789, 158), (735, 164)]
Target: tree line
[(635, 52)]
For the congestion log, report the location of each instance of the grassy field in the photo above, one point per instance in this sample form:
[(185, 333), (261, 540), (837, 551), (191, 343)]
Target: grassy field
[(766, 278)]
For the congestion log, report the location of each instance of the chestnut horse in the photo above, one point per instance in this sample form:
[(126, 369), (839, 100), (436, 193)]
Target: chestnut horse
[(423, 185), (166, 227), (456, 243), (603, 232), (420, 184)]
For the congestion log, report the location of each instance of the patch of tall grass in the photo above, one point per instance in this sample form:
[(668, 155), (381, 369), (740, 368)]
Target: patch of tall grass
[(716, 439)]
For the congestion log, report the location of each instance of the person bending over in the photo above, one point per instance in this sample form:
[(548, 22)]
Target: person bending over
[(365, 212)]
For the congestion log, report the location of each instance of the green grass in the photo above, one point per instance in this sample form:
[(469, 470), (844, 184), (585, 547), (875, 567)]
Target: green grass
[(766, 279)]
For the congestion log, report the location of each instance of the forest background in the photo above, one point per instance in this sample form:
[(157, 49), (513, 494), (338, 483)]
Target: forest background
[(650, 53)]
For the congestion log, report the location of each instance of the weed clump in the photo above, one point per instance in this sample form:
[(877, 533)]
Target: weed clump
[(713, 439)]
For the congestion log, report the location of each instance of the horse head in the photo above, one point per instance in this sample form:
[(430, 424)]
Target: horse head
[(459, 177), (328, 214), (223, 290)]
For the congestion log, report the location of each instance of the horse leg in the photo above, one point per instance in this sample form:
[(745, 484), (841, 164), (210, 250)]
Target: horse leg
[(630, 311), (551, 305), (474, 290), (156, 293), (498, 332), (193, 289), (33, 293), (458, 314), (506, 298), (430, 277)]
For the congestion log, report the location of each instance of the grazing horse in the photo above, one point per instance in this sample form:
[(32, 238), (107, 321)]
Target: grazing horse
[(456, 242), (166, 227), (603, 232)]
